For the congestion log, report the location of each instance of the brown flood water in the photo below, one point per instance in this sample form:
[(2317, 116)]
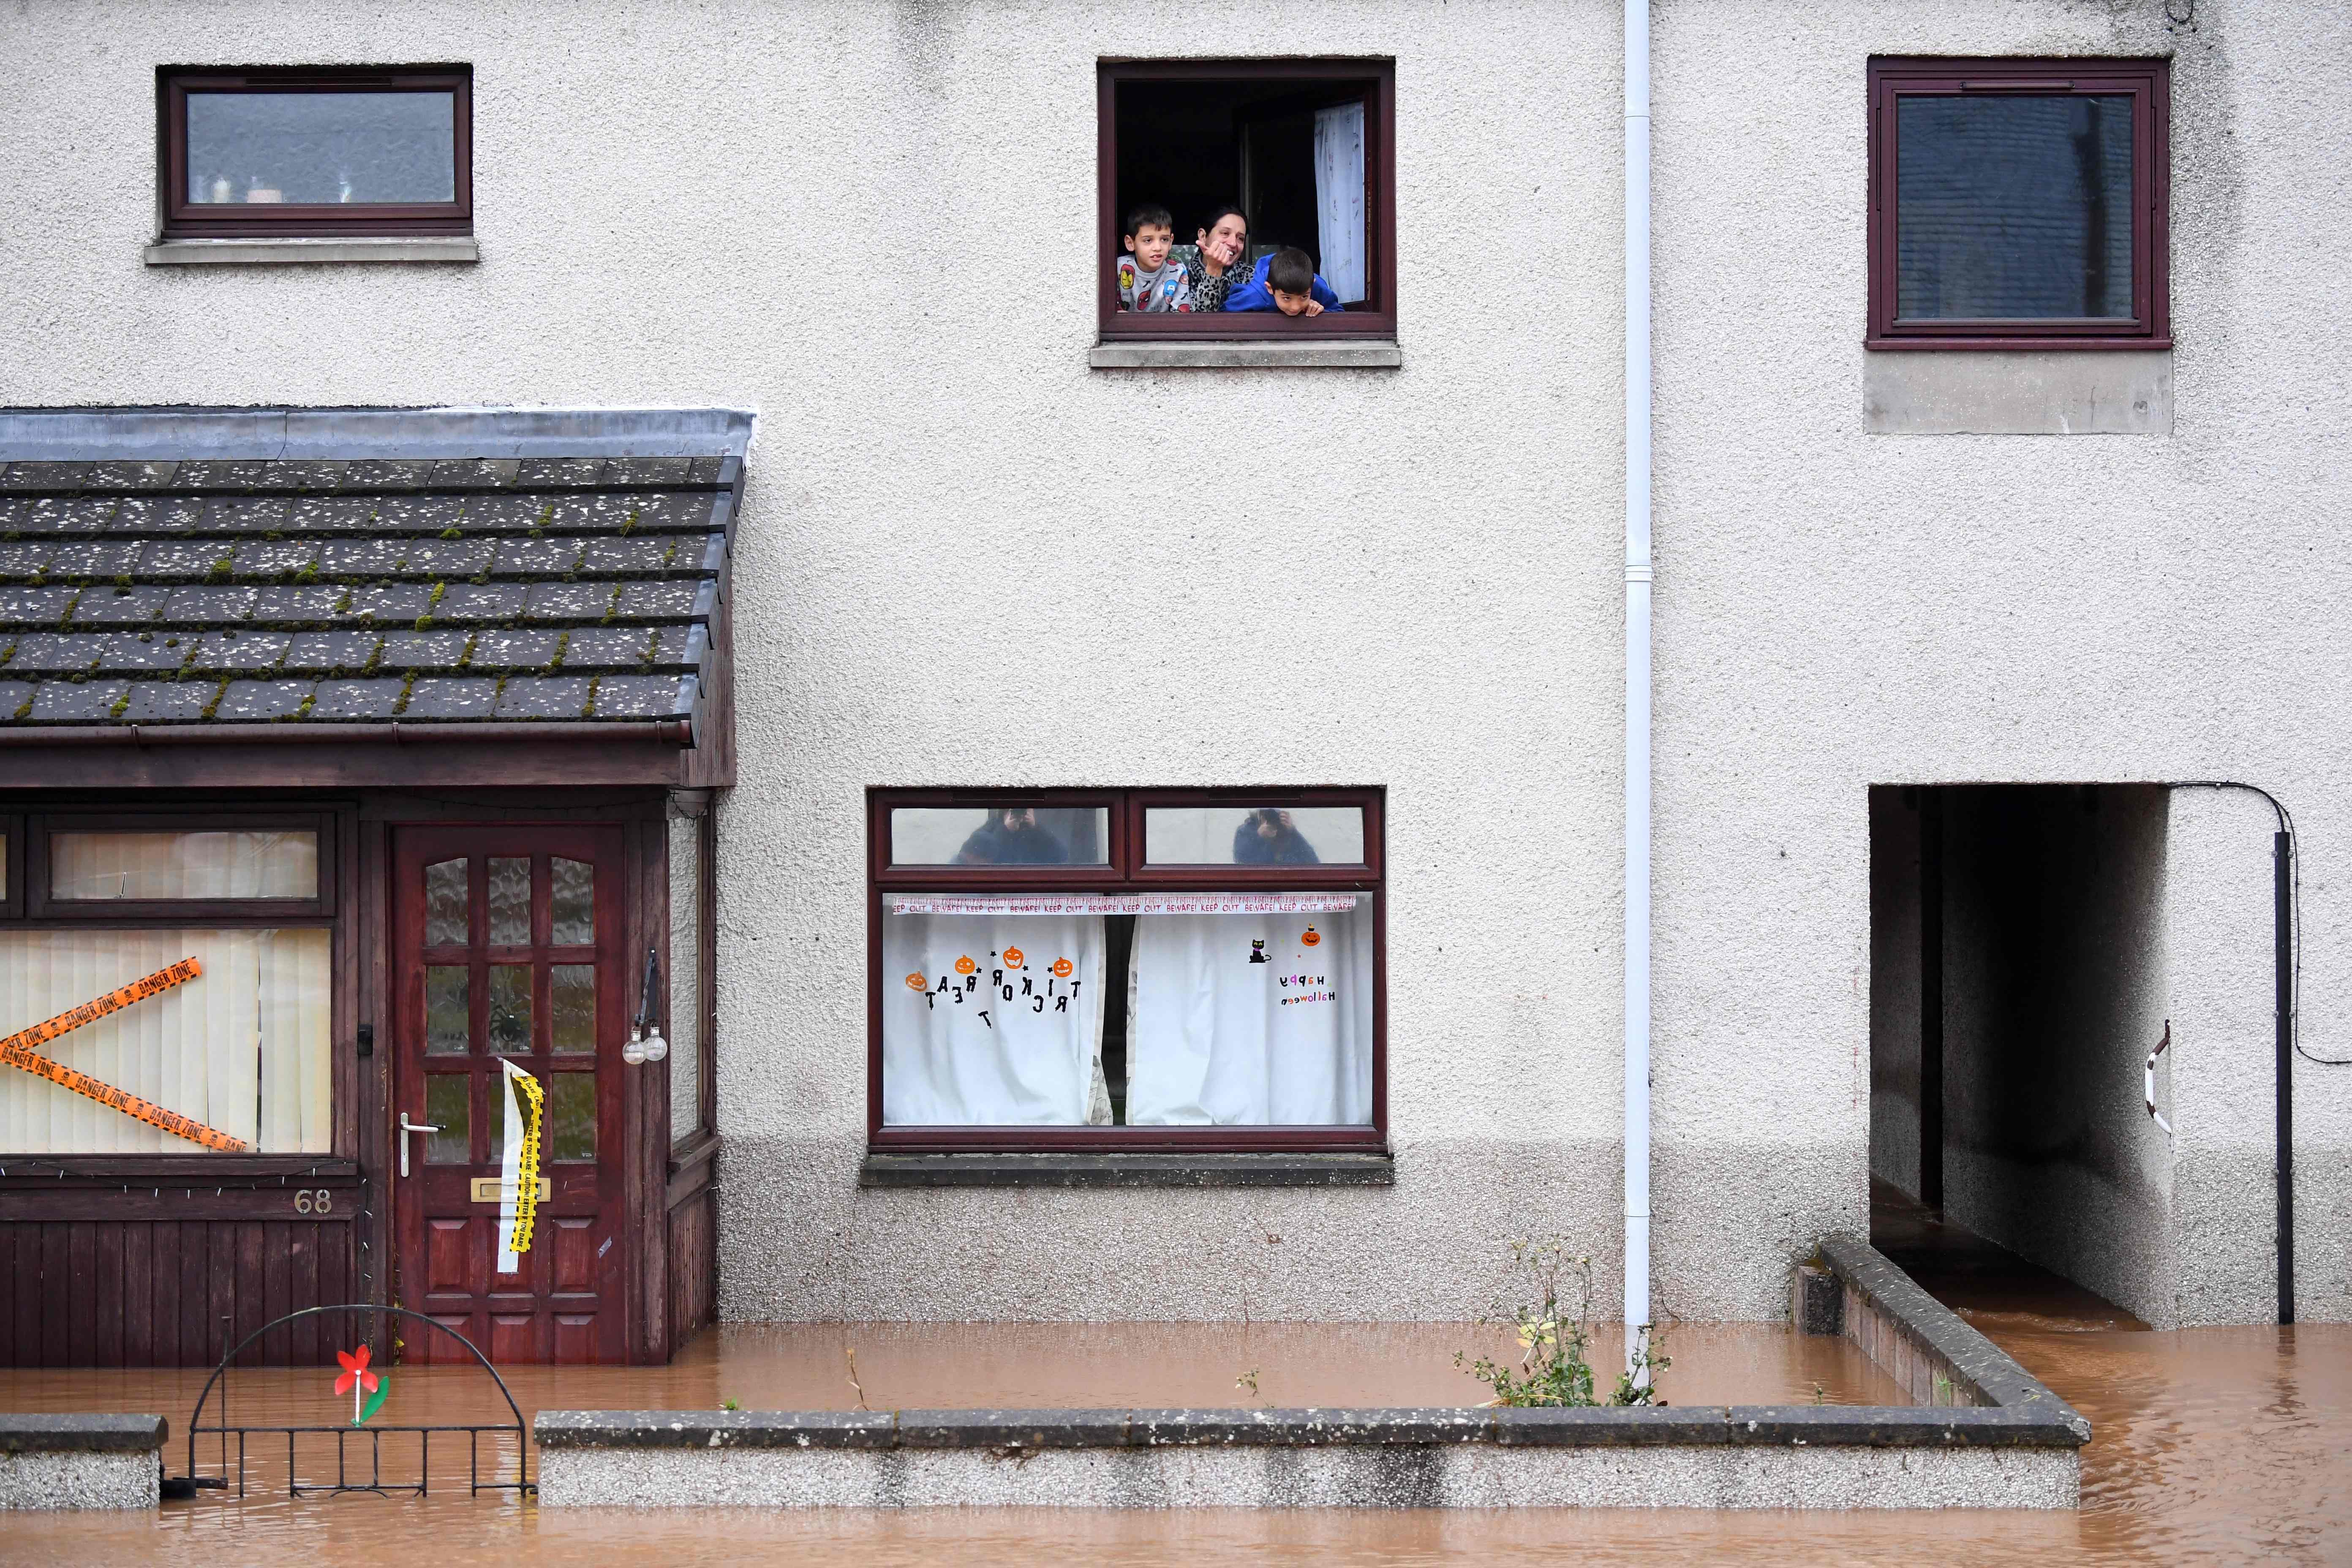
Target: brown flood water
[(2214, 1445)]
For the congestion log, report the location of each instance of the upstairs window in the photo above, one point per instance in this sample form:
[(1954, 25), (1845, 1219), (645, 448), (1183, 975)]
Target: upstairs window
[(315, 152), (2018, 204), (1248, 198)]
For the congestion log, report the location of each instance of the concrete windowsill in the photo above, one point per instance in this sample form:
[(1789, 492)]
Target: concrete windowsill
[(1321, 353), (1140, 1169), (2019, 391), (460, 247)]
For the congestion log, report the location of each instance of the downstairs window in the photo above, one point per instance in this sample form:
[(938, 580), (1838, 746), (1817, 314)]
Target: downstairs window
[(1126, 969)]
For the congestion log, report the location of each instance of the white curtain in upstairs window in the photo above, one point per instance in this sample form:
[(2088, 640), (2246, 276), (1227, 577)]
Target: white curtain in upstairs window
[(1242, 1020), (992, 1020), (242, 1048), (237, 864), (1340, 197)]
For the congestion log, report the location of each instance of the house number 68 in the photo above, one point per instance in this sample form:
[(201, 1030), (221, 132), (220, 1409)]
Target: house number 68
[(320, 1202)]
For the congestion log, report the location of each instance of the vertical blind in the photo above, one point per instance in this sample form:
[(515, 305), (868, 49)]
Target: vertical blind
[(243, 1048)]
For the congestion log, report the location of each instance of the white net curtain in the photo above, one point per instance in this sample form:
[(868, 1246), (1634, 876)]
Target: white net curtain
[(1243, 1009)]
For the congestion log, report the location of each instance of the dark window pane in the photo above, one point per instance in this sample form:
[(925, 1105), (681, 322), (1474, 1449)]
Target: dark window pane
[(267, 148), (571, 1006), (510, 1009), (510, 903), (449, 1025), (575, 901), (448, 1105), (444, 904), (571, 1116), (2010, 207)]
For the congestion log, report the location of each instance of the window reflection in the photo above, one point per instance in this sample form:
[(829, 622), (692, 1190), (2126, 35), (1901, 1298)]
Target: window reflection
[(1009, 835), (231, 865), (1253, 835), (322, 148), (2013, 207)]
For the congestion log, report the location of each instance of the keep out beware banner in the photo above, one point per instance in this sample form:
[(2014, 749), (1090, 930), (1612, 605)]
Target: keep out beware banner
[(1122, 903)]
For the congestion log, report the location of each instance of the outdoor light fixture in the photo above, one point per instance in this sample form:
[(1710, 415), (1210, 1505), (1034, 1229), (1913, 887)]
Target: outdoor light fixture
[(646, 1042)]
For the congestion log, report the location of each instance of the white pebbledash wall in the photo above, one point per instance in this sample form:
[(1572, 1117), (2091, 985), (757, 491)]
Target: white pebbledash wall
[(965, 558)]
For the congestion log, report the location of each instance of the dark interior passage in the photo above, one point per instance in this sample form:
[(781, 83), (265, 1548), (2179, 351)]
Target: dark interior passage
[(1979, 1278), (2016, 988)]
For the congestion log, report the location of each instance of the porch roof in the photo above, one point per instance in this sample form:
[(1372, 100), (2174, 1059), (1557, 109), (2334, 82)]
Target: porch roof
[(204, 568)]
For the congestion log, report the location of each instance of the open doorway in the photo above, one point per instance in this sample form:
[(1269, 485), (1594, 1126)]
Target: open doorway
[(2017, 987)]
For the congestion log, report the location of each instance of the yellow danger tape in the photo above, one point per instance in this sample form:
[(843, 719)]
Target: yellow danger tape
[(19, 1050), (527, 1166)]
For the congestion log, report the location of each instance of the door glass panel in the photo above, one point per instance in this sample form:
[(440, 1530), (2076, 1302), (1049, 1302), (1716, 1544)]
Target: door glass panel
[(572, 1116), (575, 902), (444, 904), (571, 1006), (449, 1023), (509, 1008), (448, 1106), (509, 902)]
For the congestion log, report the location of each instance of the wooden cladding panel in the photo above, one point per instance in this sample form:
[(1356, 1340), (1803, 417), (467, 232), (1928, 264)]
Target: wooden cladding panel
[(693, 1272), (171, 1292)]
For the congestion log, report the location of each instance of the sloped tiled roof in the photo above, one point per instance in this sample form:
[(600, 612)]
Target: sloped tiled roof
[(369, 589)]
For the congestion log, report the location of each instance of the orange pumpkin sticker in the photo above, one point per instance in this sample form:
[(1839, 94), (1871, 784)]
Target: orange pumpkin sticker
[(1013, 956), (964, 966), (917, 983), (1310, 938), (1062, 967)]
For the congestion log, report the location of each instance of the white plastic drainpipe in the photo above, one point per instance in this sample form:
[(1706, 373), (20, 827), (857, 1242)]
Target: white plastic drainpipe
[(1637, 672)]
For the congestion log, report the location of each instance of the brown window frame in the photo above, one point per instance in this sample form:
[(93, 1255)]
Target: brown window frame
[(1379, 316), (1124, 872), (2146, 81), (12, 877), (183, 219), (30, 907)]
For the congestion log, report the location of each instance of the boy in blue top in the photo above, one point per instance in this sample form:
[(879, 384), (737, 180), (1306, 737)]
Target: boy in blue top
[(1284, 281)]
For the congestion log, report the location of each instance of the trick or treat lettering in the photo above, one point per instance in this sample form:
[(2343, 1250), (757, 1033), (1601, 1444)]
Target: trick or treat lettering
[(1004, 984)]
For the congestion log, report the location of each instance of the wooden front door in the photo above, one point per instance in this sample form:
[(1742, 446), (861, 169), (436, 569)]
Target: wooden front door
[(509, 941)]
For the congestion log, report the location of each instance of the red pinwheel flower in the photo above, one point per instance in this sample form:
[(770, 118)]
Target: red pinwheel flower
[(355, 1371)]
